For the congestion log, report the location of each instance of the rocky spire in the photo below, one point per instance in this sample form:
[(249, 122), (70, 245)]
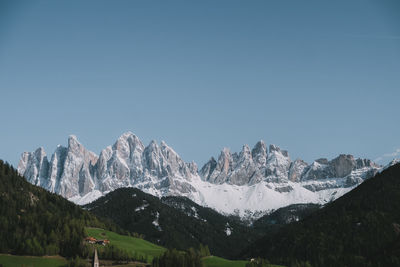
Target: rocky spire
[(35, 166), (76, 178), (278, 163), (259, 154)]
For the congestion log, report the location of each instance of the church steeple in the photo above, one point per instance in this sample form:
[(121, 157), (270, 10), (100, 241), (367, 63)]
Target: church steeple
[(95, 259)]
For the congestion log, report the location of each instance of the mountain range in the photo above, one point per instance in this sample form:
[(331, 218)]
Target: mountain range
[(249, 183)]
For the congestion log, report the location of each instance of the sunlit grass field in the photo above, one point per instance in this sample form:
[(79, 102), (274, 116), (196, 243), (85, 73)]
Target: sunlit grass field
[(128, 243)]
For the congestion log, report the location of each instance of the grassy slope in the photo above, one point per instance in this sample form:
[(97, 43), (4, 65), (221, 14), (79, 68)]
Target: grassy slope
[(214, 261), (128, 243), (30, 261)]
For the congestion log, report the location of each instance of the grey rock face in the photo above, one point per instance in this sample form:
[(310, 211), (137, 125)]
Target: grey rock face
[(283, 189), (76, 178), (244, 168), (362, 163), (34, 166), (236, 169), (319, 169), (343, 165), (75, 171), (297, 169), (278, 163), (223, 167), (56, 168), (208, 169), (259, 154)]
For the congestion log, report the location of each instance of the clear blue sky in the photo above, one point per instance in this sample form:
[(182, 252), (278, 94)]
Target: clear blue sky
[(317, 78)]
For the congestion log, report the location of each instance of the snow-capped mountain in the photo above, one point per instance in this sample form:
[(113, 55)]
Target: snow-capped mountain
[(250, 182)]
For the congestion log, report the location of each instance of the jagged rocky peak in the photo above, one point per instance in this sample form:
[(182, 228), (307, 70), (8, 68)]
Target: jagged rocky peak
[(40, 154), (223, 167), (297, 170), (193, 167), (173, 164), (243, 168), (127, 144), (343, 165), (323, 161), (34, 165), (278, 164), (224, 161), (259, 153), (208, 169), (56, 166), (128, 150), (362, 163), (73, 142), (249, 166), (76, 149), (245, 154), (151, 156), (76, 178), (104, 157), (273, 148), (169, 154)]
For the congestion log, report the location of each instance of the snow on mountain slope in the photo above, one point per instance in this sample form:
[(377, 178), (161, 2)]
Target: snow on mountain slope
[(251, 182)]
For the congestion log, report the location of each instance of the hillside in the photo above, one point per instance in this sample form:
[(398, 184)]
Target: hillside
[(36, 222), (286, 215), (362, 228), (174, 222), (135, 246)]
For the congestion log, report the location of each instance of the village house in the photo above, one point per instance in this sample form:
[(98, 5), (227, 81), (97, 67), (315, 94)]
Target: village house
[(103, 242), (92, 240)]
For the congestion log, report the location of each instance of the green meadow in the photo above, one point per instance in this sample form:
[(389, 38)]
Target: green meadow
[(128, 243), (31, 261)]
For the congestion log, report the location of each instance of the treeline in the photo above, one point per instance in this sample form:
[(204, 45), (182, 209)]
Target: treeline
[(260, 262), (175, 258), (36, 222)]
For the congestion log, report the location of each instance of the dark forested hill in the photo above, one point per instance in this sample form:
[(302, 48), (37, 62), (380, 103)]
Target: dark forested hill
[(362, 228), (174, 222), (36, 222), (286, 215)]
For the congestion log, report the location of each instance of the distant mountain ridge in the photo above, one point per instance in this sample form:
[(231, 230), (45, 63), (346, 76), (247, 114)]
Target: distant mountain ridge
[(252, 181)]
